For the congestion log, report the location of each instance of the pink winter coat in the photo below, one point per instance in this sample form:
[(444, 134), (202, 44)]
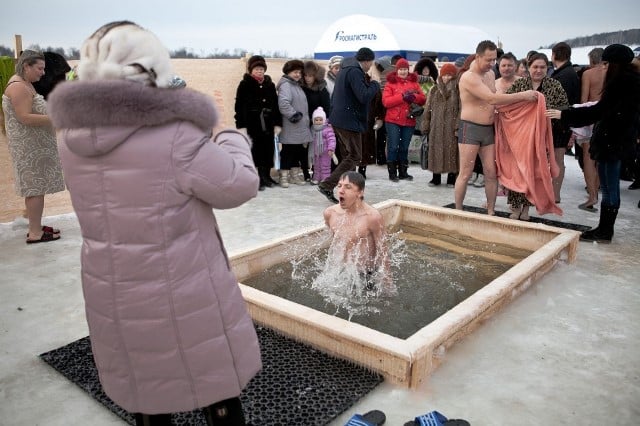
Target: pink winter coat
[(169, 327)]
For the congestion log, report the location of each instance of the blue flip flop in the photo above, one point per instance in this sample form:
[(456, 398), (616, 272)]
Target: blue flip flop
[(370, 418), (433, 418)]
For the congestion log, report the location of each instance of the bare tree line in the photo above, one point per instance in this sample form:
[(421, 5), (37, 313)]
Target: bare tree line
[(629, 37), (182, 53)]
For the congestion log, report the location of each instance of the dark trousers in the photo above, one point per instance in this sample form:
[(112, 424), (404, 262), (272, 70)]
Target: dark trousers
[(293, 155), (351, 152)]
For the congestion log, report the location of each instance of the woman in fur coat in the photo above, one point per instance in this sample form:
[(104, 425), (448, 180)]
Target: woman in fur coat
[(439, 122), (258, 116), (402, 90), (169, 328)]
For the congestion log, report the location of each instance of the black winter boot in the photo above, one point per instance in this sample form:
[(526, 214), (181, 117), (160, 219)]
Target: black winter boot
[(363, 171), (392, 167), (603, 233), (403, 171), (152, 419), (435, 180), (225, 413), (263, 173)]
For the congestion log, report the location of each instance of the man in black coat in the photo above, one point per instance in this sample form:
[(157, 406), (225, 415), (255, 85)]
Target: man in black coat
[(351, 97)]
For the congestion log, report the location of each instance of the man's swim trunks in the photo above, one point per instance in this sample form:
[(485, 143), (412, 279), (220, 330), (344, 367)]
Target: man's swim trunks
[(475, 134)]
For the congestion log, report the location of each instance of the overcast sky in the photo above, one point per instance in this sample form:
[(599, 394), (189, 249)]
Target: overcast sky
[(294, 28)]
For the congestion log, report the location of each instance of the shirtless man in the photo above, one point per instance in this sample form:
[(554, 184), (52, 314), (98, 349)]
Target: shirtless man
[(507, 65), (358, 228), (591, 88), (475, 135)]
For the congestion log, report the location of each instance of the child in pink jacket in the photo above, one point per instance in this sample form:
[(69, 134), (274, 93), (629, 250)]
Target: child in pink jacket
[(323, 146)]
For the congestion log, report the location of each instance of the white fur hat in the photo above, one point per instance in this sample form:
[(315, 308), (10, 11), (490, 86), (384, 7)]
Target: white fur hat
[(319, 112), (125, 51)]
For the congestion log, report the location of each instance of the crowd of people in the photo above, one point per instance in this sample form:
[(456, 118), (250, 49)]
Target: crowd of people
[(133, 144), (375, 107)]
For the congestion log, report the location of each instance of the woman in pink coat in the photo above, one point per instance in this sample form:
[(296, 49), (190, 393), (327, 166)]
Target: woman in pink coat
[(169, 328)]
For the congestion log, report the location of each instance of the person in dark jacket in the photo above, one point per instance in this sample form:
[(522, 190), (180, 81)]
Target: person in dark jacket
[(615, 132), (257, 115), (352, 95), (564, 72)]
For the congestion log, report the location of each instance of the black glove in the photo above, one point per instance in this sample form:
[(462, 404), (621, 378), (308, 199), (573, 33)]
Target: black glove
[(409, 97), (295, 117)]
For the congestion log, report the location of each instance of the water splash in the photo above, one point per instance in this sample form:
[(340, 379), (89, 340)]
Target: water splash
[(355, 279)]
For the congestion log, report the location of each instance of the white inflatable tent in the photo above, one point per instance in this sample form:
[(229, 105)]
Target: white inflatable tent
[(410, 39)]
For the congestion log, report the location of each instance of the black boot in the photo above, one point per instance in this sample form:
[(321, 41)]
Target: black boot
[(435, 180), (152, 419), (451, 179), (225, 413), (603, 233), (403, 171), (392, 167), (266, 178), (363, 171)]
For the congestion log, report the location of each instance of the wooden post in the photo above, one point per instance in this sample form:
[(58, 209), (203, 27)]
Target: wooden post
[(18, 45)]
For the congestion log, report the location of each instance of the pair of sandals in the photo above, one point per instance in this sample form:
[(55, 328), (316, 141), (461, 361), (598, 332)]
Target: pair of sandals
[(377, 418), (48, 234)]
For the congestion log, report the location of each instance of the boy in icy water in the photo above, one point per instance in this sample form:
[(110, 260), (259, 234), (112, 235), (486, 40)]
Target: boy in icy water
[(358, 232)]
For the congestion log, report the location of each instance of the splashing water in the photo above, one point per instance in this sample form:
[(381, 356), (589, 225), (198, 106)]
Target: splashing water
[(347, 278)]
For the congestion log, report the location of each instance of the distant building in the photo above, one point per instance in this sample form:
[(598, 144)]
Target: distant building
[(411, 39)]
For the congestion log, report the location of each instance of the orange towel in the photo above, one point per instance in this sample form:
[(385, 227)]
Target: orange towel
[(524, 153)]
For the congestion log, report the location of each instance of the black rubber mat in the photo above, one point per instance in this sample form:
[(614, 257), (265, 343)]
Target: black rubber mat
[(533, 219), (298, 385)]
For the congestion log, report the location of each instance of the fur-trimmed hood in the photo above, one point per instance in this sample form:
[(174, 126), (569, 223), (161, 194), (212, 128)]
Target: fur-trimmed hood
[(121, 107), (392, 77)]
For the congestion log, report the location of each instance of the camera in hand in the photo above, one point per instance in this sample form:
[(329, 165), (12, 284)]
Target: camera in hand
[(415, 110)]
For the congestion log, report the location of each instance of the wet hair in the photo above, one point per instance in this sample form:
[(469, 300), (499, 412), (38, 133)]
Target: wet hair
[(595, 55), (537, 56), (509, 56), (561, 51), (28, 57), (355, 178), (485, 45)]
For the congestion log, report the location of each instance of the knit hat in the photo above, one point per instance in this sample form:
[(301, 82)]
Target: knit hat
[(319, 112), (292, 65), (365, 54), (256, 61), (618, 54), (335, 60), (385, 63), (448, 69), (123, 50), (460, 61), (402, 63)]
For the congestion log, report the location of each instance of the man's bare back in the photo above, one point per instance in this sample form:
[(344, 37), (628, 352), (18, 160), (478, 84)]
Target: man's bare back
[(592, 83)]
